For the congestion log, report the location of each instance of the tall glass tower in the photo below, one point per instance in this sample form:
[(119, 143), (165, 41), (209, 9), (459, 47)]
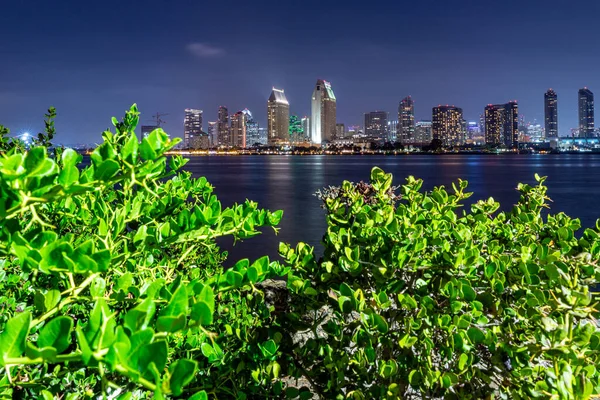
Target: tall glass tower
[(586, 113), (323, 113), (551, 114)]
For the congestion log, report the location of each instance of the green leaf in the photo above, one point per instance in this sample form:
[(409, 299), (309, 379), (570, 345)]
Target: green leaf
[(14, 336), (56, 334), (462, 361), (182, 373), (151, 357), (140, 316), (202, 313), (199, 396), (178, 305)]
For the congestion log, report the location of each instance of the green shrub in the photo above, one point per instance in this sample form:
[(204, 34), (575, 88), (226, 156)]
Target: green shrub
[(111, 281), (415, 297)]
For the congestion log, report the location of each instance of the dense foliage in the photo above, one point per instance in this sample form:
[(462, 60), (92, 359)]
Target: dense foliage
[(417, 297), (112, 286), (111, 280)]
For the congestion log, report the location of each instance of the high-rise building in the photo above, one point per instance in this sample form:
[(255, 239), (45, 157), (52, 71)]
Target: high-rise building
[(392, 131), (448, 125), (192, 126), (423, 132), (502, 124), (551, 114), (252, 129), (306, 128), (376, 124), (406, 121), (224, 135), (278, 117), (213, 134), (323, 113), (586, 113), (340, 131), (263, 134), (238, 130), (296, 132)]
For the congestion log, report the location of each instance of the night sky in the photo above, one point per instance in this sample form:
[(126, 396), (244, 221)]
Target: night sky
[(93, 59)]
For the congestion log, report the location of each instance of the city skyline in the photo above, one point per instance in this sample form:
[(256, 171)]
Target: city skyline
[(90, 65)]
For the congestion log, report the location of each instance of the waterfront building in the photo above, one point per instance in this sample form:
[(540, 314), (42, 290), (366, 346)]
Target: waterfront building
[(423, 133), (323, 113), (502, 124), (448, 125), (192, 125), (306, 128), (252, 129), (223, 132), (376, 124), (551, 114), (392, 131), (213, 136), (340, 131), (238, 130), (586, 113), (296, 132), (263, 135), (278, 114), (406, 121)]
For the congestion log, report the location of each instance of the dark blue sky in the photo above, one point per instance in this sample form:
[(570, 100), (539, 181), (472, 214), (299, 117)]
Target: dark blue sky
[(93, 59)]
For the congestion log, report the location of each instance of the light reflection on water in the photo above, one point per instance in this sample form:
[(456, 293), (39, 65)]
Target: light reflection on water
[(289, 182)]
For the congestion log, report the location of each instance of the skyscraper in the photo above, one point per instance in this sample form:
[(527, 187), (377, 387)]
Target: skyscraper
[(238, 130), (447, 125), (252, 129), (213, 133), (192, 126), (423, 132), (296, 131), (551, 114), (306, 128), (278, 117), (586, 113), (340, 131), (224, 137), (323, 113), (376, 124), (406, 121), (502, 124)]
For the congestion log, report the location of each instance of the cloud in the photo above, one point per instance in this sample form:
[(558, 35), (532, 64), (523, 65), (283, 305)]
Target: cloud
[(202, 50)]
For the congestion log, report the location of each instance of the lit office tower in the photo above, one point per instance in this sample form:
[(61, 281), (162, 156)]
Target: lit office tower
[(252, 129), (224, 136), (306, 128), (502, 124), (340, 131), (278, 117), (392, 131), (423, 132), (238, 130), (376, 124), (192, 126), (447, 125), (586, 113), (551, 114), (323, 113), (406, 121), (213, 135), (296, 132)]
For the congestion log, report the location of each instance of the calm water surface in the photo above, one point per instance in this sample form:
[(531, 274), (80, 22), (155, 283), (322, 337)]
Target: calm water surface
[(289, 183)]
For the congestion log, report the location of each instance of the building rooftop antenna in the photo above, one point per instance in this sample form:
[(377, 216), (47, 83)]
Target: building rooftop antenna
[(156, 118)]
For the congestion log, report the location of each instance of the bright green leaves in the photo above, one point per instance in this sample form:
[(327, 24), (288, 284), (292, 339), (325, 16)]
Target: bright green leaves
[(152, 145), (182, 372), (14, 336), (204, 306), (173, 317), (458, 300), (56, 334)]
